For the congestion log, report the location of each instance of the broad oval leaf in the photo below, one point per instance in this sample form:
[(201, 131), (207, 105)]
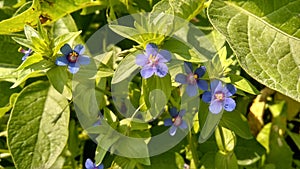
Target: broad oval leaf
[(265, 37), (38, 126)]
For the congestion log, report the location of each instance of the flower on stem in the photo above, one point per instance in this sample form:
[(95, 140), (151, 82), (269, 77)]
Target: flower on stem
[(176, 121), (153, 61), (192, 79), (90, 165), (72, 58), (219, 97), (26, 53)]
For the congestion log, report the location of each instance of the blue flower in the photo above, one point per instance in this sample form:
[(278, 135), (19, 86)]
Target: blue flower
[(192, 79), (72, 58), (90, 165), (219, 97), (26, 53), (153, 61), (176, 121)]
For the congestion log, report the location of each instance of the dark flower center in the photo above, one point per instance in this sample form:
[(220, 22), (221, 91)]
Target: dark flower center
[(177, 121), (72, 57), (219, 96), (192, 78)]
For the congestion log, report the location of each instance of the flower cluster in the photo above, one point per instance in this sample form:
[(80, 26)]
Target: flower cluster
[(219, 95)]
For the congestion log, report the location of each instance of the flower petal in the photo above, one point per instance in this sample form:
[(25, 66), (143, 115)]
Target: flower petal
[(141, 60), (164, 56), (168, 122), (173, 130), (161, 70), (173, 112), (229, 104), (202, 84), (206, 97), (213, 85), (215, 107), (218, 88), (183, 125), (192, 90), (73, 67), (151, 49), (66, 49), (147, 71), (101, 166), (229, 90), (61, 61), (89, 164), (181, 78), (83, 60), (79, 49), (200, 71), (182, 112), (188, 67)]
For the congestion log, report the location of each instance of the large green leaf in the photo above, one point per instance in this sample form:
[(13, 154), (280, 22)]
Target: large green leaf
[(38, 126), (46, 11), (265, 38)]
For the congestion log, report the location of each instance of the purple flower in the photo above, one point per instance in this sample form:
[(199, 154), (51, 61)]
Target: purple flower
[(72, 58), (153, 61), (90, 165), (176, 121), (26, 53), (219, 97), (192, 79)]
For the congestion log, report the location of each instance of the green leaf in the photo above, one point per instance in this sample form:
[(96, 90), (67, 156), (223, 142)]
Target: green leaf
[(17, 23), (226, 161), (128, 32), (186, 9), (47, 11), (225, 139), (243, 84), (265, 38), (212, 121), (38, 126), (157, 92), (126, 68), (236, 122), (248, 151), (58, 77), (295, 137), (9, 106), (10, 57)]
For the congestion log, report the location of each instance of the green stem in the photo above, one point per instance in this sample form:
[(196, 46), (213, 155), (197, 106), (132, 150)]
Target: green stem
[(193, 148)]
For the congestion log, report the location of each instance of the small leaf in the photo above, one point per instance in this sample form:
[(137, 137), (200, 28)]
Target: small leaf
[(156, 92), (126, 68), (38, 126), (243, 84), (58, 77), (248, 151), (225, 161), (236, 122), (128, 32), (210, 125)]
